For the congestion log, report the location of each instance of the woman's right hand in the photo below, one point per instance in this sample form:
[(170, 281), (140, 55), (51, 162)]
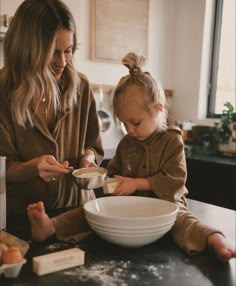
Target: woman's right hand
[(49, 169), (46, 167)]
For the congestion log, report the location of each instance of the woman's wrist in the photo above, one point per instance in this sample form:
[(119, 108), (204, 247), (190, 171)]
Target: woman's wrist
[(22, 171), (88, 158), (89, 151)]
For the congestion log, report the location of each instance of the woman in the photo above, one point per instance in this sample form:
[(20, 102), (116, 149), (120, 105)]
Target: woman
[(48, 118)]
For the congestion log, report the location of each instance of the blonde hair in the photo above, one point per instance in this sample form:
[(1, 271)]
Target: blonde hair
[(28, 49), (151, 93)]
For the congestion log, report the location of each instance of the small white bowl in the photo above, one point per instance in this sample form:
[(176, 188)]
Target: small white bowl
[(130, 221), (90, 178)]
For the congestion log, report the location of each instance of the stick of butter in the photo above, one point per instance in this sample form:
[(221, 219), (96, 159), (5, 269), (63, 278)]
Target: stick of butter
[(59, 260), (110, 185)]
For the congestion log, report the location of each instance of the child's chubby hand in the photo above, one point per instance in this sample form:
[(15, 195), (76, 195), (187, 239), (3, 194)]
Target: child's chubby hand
[(126, 187)]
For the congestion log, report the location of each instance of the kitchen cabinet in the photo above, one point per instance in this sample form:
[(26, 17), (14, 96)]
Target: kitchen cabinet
[(212, 179)]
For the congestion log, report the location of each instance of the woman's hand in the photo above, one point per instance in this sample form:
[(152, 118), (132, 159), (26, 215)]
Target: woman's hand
[(49, 169), (46, 167), (88, 160)]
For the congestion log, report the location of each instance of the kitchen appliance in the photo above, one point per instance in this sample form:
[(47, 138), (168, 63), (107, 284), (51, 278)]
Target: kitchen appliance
[(104, 115), (111, 133)]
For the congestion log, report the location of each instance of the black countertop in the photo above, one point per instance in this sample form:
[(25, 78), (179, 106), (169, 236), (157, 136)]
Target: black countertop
[(217, 158), (213, 158), (159, 263)]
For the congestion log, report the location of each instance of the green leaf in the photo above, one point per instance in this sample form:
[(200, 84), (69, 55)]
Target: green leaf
[(229, 107)]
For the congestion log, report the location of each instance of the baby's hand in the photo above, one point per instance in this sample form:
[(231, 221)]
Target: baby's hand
[(126, 187)]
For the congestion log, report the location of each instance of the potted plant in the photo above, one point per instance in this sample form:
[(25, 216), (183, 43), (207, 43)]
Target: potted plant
[(219, 138), (226, 130)]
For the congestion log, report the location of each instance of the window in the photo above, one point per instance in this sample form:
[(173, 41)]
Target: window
[(222, 81)]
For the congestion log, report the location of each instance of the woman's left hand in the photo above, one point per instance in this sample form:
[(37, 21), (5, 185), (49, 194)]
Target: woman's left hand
[(88, 160)]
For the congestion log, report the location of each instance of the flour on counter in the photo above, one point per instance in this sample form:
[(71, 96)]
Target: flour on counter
[(113, 273), (101, 272), (58, 246)]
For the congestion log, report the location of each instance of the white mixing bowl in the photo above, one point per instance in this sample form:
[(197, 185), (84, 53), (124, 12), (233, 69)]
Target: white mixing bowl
[(130, 221)]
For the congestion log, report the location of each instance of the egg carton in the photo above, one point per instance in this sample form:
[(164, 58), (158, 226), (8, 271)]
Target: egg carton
[(13, 270)]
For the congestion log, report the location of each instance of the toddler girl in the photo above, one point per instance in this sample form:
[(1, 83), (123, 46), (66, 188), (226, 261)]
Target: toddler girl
[(149, 160)]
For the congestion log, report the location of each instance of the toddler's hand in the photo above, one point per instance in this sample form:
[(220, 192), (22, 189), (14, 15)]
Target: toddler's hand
[(126, 187)]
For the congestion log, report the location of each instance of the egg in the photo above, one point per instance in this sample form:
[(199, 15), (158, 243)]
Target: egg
[(3, 248), (12, 255)]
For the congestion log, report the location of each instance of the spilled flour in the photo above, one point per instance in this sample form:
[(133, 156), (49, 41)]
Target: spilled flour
[(99, 271), (113, 273), (57, 246)]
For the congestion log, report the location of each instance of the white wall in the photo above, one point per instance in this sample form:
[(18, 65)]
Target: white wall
[(191, 57), (176, 33)]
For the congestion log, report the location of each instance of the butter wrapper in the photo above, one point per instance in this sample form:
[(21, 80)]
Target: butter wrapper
[(59, 260), (110, 185)]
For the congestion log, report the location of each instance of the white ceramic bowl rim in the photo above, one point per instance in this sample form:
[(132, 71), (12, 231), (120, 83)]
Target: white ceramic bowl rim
[(127, 218)]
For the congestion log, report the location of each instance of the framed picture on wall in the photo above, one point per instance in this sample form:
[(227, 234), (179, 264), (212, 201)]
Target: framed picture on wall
[(117, 28)]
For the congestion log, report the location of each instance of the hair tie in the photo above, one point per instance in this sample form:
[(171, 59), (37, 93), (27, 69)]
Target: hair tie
[(134, 72)]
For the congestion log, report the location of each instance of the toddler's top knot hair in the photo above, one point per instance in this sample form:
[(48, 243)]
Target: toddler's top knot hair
[(134, 63), (139, 90)]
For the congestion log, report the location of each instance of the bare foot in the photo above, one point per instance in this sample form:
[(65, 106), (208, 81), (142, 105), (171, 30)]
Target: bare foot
[(41, 225), (221, 247)]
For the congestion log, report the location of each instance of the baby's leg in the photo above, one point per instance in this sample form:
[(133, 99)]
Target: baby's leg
[(223, 250), (194, 236), (41, 225), (72, 225)]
